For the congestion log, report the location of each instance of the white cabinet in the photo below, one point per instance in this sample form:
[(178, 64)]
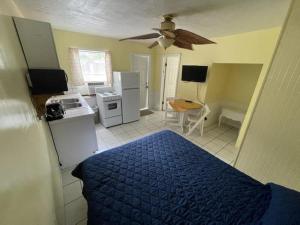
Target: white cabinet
[(75, 135), (75, 139), (37, 43)]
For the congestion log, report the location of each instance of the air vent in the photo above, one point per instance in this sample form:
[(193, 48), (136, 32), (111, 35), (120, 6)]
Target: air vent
[(93, 85)]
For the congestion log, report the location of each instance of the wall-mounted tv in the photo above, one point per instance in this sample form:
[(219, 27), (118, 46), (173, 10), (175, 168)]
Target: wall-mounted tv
[(47, 81), (194, 73)]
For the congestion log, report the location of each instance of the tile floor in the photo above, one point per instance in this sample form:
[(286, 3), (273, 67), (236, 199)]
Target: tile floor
[(219, 141)]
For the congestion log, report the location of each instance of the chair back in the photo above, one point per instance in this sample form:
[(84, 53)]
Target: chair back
[(206, 110), (201, 119), (168, 99)]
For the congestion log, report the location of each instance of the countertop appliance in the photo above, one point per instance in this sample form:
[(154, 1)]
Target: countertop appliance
[(74, 135), (127, 84), (109, 104)]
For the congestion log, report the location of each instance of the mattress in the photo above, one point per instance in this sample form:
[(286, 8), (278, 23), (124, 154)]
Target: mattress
[(165, 179)]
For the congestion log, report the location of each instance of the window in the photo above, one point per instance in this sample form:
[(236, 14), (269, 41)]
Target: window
[(89, 67), (93, 66)]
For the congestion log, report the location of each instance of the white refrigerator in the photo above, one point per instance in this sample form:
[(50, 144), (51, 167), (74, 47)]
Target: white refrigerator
[(128, 85)]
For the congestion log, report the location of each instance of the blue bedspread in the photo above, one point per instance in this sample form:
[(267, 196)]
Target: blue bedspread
[(164, 179)]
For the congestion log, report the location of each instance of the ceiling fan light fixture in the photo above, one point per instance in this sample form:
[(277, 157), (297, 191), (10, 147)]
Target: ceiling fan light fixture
[(167, 36), (165, 42)]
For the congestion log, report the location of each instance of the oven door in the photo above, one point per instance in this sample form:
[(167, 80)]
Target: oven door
[(112, 108)]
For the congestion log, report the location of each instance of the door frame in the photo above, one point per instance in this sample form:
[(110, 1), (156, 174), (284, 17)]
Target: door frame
[(162, 77), (149, 72)]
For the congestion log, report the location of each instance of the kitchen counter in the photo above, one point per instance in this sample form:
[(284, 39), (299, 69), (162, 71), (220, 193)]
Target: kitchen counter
[(74, 135), (81, 111)]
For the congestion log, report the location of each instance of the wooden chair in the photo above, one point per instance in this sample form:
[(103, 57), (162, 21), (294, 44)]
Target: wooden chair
[(197, 120)]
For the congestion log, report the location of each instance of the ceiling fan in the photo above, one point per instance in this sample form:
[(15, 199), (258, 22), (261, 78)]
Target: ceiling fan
[(168, 36)]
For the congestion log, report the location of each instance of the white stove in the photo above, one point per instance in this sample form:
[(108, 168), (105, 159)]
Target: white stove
[(110, 107), (109, 96)]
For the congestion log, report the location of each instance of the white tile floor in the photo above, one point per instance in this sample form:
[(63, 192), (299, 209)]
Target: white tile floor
[(219, 141)]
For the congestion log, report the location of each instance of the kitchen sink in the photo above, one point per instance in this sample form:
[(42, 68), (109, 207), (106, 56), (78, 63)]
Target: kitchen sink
[(69, 100), (71, 105)]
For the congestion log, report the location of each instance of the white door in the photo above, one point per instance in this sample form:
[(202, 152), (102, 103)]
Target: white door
[(170, 71), (141, 64)]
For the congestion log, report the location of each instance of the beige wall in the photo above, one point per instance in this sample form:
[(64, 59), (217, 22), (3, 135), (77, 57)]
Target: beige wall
[(241, 83), (121, 51), (30, 188), (255, 47), (8, 7), (218, 80), (232, 84), (252, 47), (271, 149), (214, 96)]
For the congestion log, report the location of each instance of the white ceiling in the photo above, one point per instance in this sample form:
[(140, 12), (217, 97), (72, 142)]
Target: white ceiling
[(123, 18)]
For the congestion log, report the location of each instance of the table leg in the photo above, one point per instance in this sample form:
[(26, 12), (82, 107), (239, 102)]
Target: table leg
[(220, 118), (181, 121)]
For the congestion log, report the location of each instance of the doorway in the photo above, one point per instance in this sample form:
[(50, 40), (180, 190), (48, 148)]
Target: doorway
[(169, 77), (231, 86), (142, 63)]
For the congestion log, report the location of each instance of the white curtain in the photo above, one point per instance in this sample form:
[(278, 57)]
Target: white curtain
[(108, 67), (75, 76)]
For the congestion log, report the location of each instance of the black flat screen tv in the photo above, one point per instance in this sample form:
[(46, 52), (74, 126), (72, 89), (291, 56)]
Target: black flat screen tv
[(47, 81), (194, 73)]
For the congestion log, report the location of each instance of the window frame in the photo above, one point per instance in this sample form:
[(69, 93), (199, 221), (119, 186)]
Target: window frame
[(93, 82)]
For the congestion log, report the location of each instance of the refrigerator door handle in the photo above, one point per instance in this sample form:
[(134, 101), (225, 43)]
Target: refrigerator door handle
[(130, 89)]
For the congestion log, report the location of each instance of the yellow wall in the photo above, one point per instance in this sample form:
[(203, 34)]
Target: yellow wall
[(241, 83), (232, 84), (218, 80), (253, 47), (8, 7), (271, 149), (121, 51), (218, 77), (30, 187)]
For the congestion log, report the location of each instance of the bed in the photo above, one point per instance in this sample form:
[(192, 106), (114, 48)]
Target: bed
[(165, 179)]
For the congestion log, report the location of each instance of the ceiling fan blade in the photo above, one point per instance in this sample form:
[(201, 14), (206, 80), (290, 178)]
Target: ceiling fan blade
[(153, 44), (142, 37), (191, 37), (157, 29), (184, 45), (166, 33)]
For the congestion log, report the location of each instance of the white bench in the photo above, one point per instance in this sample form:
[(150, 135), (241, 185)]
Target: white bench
[(231, 114)]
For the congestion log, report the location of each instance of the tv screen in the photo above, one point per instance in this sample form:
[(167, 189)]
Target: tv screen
[(47, 81), (194, 73)]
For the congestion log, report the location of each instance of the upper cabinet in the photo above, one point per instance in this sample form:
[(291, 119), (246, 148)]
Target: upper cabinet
[(37, 42)]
